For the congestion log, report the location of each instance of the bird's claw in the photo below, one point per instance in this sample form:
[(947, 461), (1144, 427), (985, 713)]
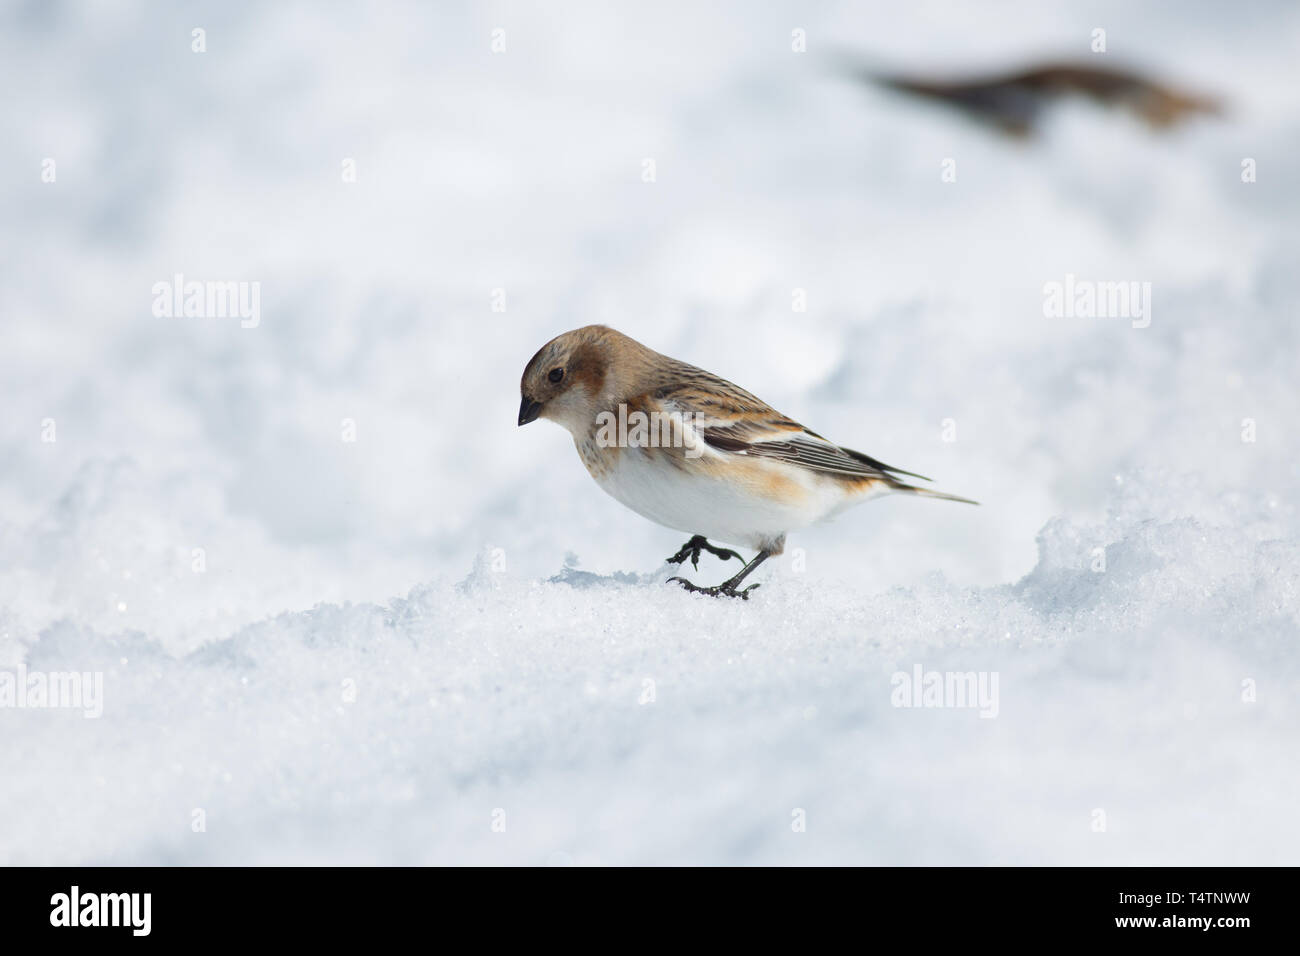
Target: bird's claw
[(718, 590), (691, 549)]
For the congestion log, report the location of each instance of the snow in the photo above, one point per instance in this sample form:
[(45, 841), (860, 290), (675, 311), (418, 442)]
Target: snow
[(440, 642)]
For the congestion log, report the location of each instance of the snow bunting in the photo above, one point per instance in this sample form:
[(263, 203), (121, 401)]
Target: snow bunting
[(1015, 102), (693, 452)]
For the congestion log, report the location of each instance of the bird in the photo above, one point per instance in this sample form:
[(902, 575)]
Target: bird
[(713, 461), (1014, 102)]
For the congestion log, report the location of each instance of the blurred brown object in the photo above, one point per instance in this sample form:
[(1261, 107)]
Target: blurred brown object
[(1015, 102)]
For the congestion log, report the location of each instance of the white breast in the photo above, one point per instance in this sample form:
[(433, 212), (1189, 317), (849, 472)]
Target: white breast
[(698, 496)]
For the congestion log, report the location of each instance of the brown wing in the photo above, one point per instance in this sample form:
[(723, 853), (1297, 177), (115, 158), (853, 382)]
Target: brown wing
[(736, 422)]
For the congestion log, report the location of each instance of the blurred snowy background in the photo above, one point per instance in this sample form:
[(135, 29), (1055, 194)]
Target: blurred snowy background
[(375, 658)]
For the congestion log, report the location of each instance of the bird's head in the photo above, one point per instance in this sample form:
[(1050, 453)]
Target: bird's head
[(567, 380)]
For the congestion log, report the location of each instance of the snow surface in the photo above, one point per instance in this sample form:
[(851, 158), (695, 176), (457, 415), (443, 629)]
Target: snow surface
[(399, 640)]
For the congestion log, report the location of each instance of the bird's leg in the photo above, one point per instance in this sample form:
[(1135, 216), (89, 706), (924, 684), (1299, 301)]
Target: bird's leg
[(691, 549), (728, 588)]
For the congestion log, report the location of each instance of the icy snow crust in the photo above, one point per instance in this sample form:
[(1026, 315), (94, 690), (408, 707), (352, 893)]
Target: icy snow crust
[(440, 643)]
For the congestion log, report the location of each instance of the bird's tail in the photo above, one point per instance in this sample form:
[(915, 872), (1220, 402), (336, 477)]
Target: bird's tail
[(928, 493), (887, 475)]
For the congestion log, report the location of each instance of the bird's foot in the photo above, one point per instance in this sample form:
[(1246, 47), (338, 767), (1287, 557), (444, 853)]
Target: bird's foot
[(725, 589), (691, 549)]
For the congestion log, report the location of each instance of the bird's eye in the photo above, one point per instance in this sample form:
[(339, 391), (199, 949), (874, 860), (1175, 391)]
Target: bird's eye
[(556, 374)]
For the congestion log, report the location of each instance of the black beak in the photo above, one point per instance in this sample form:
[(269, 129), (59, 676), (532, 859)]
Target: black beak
[(529, 410)]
